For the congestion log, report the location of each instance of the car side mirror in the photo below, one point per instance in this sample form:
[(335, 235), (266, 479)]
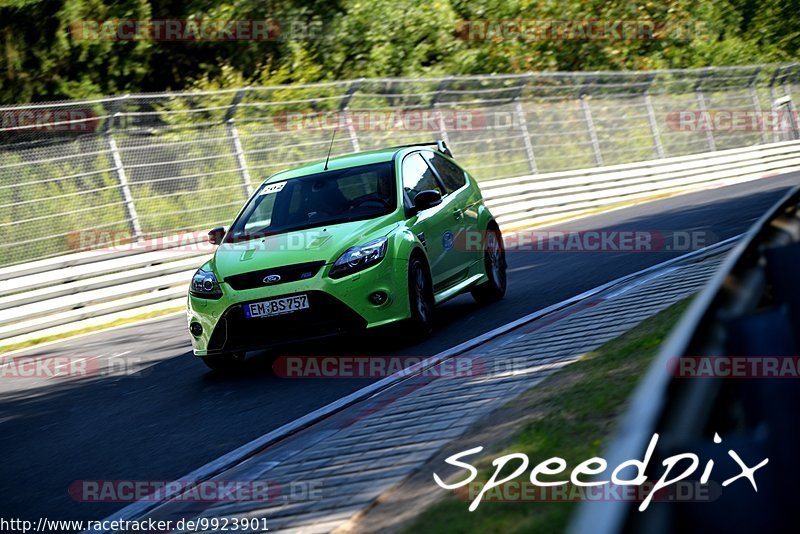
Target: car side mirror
[(216, 235), (427, 199)]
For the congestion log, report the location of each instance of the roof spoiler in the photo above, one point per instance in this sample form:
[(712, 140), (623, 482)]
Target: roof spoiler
[(441, 146)]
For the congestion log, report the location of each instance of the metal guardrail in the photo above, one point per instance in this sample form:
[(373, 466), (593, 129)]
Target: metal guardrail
[(161, 163), (63, 291), (103, 284), (537, 198), (750, 309)]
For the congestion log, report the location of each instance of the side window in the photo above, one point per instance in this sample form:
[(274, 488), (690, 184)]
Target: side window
[(417, 176), (452, 176)]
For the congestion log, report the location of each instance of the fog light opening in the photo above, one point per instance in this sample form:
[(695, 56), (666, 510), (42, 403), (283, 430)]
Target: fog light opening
[(196, 329), (378, 298)]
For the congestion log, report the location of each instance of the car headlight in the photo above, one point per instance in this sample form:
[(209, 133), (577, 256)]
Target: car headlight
[(204, 285), (359, 258)]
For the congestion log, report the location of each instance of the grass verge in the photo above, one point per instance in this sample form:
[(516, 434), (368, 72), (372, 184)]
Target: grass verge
[(568, 415)]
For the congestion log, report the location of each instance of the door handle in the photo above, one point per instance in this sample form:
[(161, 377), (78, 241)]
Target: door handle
[(457, 213)]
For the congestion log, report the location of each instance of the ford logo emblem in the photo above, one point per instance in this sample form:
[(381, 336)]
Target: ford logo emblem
[(272, 278)]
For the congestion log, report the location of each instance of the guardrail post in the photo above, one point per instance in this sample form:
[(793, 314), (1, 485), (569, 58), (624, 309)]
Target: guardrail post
[(651, 118), (786, 102), (701, 104), (236, 142), (587, 117), (438, 112), (751, 88), (523, 125), (787, 91), (773, 96), (344, 108), (122, 179)]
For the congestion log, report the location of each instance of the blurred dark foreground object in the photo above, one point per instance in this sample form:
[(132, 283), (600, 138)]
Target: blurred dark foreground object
[(730, 368)]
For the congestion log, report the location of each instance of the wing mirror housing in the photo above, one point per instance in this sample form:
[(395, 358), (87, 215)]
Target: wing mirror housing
[(216, 235), (427, 199)]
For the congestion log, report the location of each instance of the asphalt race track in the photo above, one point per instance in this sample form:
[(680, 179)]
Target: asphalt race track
[(175, 415)]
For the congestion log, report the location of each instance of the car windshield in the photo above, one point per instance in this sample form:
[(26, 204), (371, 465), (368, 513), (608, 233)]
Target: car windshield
[(332, 197)]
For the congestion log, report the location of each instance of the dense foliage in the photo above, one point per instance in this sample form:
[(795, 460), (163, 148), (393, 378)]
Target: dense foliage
[(43, 59)]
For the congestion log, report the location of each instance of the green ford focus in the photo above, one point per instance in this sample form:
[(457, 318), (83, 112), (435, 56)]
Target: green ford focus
[(359, 241)]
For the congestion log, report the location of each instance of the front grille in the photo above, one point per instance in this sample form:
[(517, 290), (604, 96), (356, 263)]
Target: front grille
[(325, 316), (287, 273)]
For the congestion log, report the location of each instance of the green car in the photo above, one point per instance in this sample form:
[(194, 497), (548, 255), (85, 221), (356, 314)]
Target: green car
[(358, 241)]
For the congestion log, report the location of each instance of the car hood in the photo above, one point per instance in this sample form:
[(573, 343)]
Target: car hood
[(324, 243)]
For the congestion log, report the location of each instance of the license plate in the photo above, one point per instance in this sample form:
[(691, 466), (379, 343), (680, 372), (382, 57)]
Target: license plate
[(281, 306)]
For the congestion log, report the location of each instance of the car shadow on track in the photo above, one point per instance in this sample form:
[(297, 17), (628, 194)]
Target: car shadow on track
[(392, 340)]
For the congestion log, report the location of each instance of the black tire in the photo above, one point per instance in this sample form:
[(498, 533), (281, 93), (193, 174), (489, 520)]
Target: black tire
[(226, 362), (420, 297), (494, 259)]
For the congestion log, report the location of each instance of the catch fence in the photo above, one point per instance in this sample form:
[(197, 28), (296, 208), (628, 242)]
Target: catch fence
[(75, 174)]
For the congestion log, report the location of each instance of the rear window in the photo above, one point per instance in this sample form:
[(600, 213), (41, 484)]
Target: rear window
[(452, 176)]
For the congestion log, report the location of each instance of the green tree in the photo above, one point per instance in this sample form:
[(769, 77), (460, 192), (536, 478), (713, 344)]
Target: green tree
[(42, 59)]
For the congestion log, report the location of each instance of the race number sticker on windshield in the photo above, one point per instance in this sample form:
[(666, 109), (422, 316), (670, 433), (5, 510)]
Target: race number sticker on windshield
[(273, 188), (280, 306)]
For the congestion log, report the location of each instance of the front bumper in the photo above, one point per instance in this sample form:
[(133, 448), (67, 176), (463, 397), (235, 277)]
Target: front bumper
[(335, 307)]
